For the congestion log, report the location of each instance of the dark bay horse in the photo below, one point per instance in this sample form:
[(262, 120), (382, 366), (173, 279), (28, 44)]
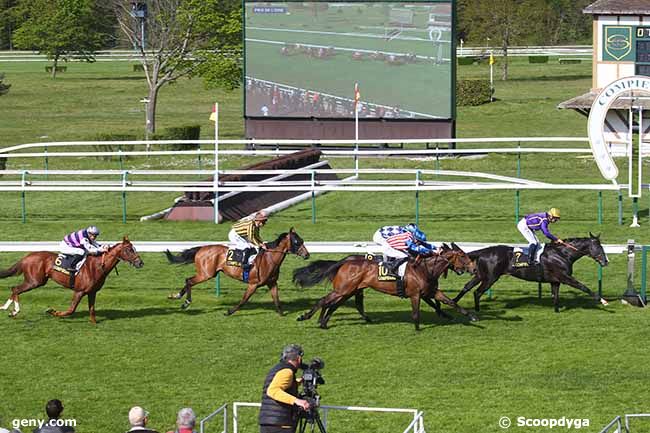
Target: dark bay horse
[(557, 267), (353, 274), (210, 259), (37, 268)]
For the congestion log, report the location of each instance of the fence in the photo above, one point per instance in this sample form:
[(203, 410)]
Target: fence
[(416, 425), (124, 179), (223, 410)]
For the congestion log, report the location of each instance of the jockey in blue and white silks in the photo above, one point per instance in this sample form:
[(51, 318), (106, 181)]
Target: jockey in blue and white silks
[(398, 241)]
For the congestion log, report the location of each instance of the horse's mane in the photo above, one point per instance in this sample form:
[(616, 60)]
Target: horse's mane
[(276, 242)]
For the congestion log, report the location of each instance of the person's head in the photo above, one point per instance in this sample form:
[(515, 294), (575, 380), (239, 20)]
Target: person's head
[(138, 417), (93, 232), (53, 408), (260, 218), (292, 354), (186, 418), (554, 214)]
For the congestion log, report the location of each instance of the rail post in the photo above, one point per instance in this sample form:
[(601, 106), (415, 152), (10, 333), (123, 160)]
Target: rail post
[(119, 150), (23, 184), (313, 197), (417, 197), (517, 197), (620, 208), (600, 281), (217, 284), (630, 265), (635, 213), (644, 270), (437, 157), (600, 207), (46, 162), (124, 184)]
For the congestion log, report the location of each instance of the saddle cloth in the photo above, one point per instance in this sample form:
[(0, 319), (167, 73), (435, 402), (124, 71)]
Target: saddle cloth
[(382, 272), (520, 256), (235, 258), (63, 264)]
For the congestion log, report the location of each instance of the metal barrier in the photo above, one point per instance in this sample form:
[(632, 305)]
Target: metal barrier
[(633, 415), (415, 426), (615, 422), (222, 410)]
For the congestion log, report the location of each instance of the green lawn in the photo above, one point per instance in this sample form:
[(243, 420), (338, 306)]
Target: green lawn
[(521, 359)]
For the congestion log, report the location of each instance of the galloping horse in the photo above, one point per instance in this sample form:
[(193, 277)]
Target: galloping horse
[(37, 268), (353, 274), (556, 267), (210, 259)]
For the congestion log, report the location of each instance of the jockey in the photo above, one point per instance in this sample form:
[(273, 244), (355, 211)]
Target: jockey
[(80, 243), (398, 241), (245, 235), (534, 222)]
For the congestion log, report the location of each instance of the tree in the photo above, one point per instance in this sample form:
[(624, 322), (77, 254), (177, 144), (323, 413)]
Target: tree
[(62, 29), (7, 23), (502, 21), (184, 38)]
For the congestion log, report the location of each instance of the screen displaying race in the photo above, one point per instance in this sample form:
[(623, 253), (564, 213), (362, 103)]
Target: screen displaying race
[(303, 59)]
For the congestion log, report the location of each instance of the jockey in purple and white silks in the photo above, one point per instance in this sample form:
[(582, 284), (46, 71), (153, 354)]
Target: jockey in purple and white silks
[(82, 242), (533, 222), (398, 241)]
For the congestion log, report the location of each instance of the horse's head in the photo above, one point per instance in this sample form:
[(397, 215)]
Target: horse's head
[(596, 250), (458, 260), (126, 251), (297, 245)]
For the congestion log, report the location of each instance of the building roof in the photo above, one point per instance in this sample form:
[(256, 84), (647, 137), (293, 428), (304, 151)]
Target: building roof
[(618, 7), (584, 102)]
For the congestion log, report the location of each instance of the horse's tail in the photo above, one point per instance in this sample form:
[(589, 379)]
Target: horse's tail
[(316, 272), (16, 269), (184, 258)]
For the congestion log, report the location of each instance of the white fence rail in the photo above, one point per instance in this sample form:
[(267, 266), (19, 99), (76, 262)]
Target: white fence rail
[(415, 426), (359, 247)]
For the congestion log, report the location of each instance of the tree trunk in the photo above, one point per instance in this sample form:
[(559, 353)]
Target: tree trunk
[(56, 62), (151, 110), (504, 69)]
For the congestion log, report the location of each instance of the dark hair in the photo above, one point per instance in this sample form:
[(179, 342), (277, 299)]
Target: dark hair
[(54, 408)]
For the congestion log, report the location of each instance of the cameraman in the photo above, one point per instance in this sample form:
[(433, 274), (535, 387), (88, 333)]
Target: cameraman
[(278, 413)]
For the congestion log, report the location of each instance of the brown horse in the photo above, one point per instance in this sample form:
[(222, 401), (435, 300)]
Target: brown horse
[(210, 259), (37, 268), (353, 274)]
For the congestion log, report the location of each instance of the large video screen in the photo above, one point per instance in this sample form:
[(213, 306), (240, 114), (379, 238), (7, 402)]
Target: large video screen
[(303, 59)]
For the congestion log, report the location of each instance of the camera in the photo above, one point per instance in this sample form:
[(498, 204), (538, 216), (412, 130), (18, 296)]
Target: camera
[(311, 378)]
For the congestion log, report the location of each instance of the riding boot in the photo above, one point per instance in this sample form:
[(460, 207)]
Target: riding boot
[(393, 266), (532, 250), (75, 259)]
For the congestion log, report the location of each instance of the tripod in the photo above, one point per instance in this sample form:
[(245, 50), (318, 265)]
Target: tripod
[(312, 417)]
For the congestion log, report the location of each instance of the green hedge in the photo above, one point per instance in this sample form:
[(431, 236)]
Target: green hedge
[(466, 60), (472, 92), (3, 164), (537, 59), (112, 147), (190, 132)]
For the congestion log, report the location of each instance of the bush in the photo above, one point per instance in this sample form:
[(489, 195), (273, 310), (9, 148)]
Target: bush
[(537, 59), (191, 132), (472, 92), (3, 164), (465, 61), (4, 88), (112, 147)]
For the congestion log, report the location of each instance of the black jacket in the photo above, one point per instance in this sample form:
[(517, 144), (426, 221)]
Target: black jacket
[(274, 412)]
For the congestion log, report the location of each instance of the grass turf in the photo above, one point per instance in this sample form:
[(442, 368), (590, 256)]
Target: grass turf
[(520, 360)]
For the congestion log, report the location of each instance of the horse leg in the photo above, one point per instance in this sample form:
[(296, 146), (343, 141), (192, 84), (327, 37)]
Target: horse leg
[(435, 304), (330, 310), (323, 303), (440, 296), (24, 287), (471, 283), (76, 298), (276, 298), (91, 306), (570, 281), (484, 287), (247, 294), (358, 302), (555, 289), (415, 311)]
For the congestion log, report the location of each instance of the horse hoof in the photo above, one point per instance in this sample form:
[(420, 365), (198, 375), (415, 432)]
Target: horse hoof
[(228, 313), (473, 318), (300, 318), (174, 296), (603, 301), (186, 305), (50, 311)]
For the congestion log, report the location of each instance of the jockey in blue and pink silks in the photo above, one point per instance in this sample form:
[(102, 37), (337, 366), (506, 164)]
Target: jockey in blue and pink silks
[(398, 241), (80, 243), (538, 222)]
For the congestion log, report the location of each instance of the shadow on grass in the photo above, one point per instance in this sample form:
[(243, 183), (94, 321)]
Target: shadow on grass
[(111, 314), (123, 78), (566, 304)]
